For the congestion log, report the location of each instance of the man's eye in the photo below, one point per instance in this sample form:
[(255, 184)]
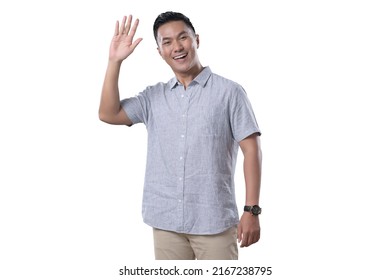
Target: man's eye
[(183, 37), (166, 43)]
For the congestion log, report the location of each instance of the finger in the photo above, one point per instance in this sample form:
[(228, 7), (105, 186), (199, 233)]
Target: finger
[(128, 25), (135, 44), (248, 240), (116, 28), (134, 28), (251, 240), (123, 24), (244, 241), (239, 233)]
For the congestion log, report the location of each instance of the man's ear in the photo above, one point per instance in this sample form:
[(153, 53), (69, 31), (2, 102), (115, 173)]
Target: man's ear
[(197, 41), (159, 52)]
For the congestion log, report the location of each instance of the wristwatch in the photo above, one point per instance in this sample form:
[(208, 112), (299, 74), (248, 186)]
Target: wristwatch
[(254, 210)]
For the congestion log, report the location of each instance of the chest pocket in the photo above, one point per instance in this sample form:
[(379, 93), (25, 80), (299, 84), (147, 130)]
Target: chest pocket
[(214, 121)]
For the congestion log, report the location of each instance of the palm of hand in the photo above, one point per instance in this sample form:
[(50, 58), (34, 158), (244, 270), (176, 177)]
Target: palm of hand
[(122, 44)]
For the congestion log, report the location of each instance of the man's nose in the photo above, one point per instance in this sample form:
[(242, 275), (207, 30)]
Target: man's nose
[(177, 46)]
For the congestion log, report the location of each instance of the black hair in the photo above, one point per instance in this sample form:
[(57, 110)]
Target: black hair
[(168, 17)]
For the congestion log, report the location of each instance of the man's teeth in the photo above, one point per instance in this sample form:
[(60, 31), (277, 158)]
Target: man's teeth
[(179, 56)]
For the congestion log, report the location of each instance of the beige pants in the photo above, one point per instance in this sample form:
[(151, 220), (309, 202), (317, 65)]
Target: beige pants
[(170, 245)]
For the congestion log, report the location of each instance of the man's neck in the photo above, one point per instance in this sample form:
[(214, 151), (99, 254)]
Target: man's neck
[(186, 78)]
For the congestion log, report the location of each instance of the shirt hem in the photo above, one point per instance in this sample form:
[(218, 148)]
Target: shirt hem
[(217, 231)]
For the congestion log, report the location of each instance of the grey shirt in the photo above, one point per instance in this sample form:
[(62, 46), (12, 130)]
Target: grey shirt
[(193, 138)]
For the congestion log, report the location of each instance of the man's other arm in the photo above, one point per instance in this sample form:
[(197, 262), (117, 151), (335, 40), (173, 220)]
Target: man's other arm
[(249, 226)]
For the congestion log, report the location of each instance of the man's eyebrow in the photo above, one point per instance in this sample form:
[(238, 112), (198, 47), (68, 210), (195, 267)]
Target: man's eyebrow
[(183, 32), (169, 38)]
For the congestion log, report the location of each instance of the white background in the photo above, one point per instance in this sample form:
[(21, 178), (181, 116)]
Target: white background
[(317, 74)]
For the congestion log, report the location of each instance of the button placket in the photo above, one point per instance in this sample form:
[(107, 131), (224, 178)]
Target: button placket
[(182, 129), (183, 102)]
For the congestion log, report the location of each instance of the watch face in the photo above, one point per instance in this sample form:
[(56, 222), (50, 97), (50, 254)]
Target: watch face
[(256, 210)]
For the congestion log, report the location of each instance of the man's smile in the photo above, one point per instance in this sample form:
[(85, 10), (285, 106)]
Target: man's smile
[(180, 56)]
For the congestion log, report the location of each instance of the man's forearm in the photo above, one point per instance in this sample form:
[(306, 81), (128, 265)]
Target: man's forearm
[(110, 102), (252, 172)]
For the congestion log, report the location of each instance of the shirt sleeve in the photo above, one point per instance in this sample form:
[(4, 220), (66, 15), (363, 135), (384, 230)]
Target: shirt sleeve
[(137, 107), (242, 118)]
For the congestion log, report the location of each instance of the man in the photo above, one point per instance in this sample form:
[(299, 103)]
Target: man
[(195, 123)]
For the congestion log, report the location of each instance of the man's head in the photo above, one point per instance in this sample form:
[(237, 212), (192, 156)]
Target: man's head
[(168, 17), (177, 42)]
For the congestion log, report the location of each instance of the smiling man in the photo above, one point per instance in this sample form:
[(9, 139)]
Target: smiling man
[(196, 121)]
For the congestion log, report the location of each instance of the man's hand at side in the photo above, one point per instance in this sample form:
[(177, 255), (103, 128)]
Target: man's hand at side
[(248, 231)]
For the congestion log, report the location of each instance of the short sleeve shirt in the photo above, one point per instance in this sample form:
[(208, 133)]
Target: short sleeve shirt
[(193, 137)]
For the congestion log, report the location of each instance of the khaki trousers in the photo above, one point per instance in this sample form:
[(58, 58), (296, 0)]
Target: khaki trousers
[(170, 245)]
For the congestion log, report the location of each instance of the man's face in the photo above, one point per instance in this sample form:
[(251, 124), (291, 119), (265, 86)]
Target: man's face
[(177, 45)]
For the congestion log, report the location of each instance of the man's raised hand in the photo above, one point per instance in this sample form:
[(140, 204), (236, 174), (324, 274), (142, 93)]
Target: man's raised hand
[(122, 44)]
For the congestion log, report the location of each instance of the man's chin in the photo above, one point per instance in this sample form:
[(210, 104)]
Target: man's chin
[(183, 68)]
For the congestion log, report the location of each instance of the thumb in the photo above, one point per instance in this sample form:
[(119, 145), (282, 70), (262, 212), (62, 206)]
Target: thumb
[(239, 232)]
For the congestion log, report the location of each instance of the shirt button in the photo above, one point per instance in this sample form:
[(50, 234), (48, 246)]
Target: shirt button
[(182, 95), (181, 158), (180, 178), (182, 136)]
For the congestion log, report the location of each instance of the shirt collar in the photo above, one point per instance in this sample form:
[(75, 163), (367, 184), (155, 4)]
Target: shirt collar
[(201, 79)]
